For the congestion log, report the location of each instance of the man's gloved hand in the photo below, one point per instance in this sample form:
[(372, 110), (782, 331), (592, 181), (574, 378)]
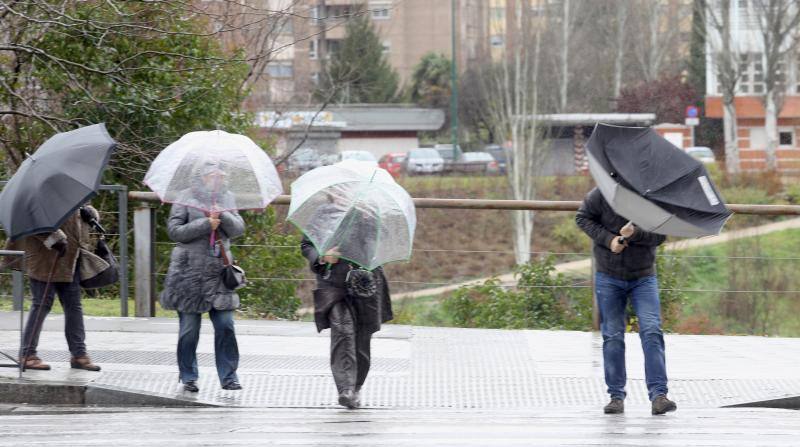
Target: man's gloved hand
[(617, 245), (57, 241), (628, 230), (60, 247), (86, 215)]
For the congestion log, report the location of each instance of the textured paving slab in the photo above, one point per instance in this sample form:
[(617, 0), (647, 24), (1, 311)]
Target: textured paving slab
[(323, 427), (286, 365)]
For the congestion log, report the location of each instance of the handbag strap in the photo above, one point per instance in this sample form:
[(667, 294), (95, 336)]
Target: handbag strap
[(223, 253)]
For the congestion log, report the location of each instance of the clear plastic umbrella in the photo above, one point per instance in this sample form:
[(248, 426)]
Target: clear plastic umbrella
[(357, 209), (214, 171)]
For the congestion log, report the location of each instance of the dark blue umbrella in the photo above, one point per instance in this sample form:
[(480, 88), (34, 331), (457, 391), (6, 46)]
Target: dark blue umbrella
[(63, 174)]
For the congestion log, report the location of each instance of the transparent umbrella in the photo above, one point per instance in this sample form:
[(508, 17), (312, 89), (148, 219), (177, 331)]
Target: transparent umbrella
[(214, 171), (356, 208)]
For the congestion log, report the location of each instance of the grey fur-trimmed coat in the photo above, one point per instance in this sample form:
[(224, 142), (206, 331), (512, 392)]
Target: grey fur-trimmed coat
[(193, 283)]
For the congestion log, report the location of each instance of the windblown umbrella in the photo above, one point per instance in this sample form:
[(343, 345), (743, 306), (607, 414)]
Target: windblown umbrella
[(652, 183), (246, 177), (356, 208), (63, 174)]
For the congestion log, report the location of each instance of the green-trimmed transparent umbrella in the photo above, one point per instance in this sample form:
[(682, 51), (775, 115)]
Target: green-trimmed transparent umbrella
[(356, 208)]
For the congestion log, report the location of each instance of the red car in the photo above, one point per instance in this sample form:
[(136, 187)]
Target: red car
[(393, 163)]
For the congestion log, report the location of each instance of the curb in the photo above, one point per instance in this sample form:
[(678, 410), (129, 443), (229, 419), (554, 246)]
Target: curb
[(58, 393)]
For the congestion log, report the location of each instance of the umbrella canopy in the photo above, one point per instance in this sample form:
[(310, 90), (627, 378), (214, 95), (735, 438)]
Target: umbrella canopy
[(652, 183), (214, 171), (357, 208), (63, 174)]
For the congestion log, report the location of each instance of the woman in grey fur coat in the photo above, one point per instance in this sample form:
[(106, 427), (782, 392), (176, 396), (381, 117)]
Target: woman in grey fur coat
[(193, 284)]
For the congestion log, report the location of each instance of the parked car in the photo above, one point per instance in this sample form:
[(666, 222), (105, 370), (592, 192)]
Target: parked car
[(446, 152), (304, 160), (423, 161), (393, 163), (499, 154), (476, 162), (358, 155), (702, 153)]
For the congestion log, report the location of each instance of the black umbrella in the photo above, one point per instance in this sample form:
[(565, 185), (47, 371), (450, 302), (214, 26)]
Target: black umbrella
[(652, 183), (63, 174)]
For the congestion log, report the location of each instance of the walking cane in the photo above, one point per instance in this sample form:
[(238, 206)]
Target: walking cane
[(36, 322)]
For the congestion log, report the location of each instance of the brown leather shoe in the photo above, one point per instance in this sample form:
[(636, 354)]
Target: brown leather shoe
[(83, 362), (34, 362)]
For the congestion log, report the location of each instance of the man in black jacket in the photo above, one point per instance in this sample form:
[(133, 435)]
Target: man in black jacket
[(625, 260)]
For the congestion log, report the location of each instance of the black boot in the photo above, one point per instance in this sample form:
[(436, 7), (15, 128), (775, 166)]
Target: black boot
[(346, 399), (662, 405), (616, 406), (191, 386)]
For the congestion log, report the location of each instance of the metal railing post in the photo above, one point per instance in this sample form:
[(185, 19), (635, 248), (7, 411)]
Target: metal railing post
[(18, 293), (122, 205), (144, 264)]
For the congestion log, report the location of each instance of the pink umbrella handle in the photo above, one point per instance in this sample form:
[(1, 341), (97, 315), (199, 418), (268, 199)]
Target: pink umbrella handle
[(213, 238)]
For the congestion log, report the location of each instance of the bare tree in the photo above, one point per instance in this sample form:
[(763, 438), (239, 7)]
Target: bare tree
[(62, 64), (621, 36), (726, 57), (513, 86), (779, 21), (658, 36)]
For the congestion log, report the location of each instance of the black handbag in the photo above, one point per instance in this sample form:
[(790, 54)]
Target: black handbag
[(233, 276), (361, 283), (108, 276)]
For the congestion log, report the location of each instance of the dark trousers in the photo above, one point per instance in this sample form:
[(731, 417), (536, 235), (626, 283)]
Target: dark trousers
[(69, 294), (350, 350), (226, 350)]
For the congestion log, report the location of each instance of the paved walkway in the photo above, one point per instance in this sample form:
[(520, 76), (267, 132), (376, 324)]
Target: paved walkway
[(583, 266), (318, 427), (428, 386), (285, 364)]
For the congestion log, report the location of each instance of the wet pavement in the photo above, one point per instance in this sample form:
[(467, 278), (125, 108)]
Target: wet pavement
[(400, 427), (428, 386)]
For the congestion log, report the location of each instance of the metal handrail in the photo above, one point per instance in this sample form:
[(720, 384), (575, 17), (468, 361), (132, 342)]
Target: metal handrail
[(515, 205)]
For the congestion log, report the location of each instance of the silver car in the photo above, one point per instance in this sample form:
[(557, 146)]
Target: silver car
[(424, 161)]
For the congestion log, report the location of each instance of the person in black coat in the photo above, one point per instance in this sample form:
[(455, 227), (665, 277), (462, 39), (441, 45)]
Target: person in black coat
[(352, 319)]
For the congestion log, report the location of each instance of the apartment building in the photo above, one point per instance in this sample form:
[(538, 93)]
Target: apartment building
[(747, 42), (408, 28)]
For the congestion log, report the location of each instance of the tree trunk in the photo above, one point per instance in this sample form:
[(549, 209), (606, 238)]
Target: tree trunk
[(731, 138), (622, 17), (523, 230), (771, 128), (564, 57)]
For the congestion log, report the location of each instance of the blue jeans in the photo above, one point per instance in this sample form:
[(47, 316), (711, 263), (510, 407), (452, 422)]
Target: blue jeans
[(226, 350), (612, 298), (69, 293)]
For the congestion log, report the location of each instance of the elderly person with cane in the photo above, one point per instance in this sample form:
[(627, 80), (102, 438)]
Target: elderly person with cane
[(53, 263)]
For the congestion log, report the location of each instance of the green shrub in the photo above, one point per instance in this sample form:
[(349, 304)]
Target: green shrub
[(569, 237), (276, 258), (541, 300)]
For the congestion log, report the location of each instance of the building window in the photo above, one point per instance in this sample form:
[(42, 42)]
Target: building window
[(280, 70), (313, 12), (381, 10), (748, 17), (332, 47), (387, 46), (313, 48), (786, 138), (315, 78), (752, 78), (496, 41)]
